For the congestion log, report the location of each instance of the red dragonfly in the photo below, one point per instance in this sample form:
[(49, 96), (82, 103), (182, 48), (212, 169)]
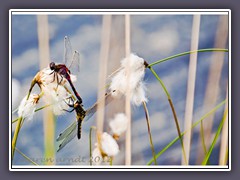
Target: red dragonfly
[(72, 61)]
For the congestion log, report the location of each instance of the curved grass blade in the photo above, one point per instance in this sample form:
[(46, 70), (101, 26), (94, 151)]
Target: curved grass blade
[(186, 53), (193, 126), (173, 111)]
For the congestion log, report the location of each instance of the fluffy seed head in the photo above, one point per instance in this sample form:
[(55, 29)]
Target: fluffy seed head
[(119, 124), (27, 108), (108, 145), (119, 82)]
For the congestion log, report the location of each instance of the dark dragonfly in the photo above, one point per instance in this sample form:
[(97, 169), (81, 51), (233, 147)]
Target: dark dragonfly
[(81, 115), (72, 61)]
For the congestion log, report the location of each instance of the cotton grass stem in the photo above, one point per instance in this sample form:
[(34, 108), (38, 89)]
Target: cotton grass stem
[(149, 132), (15, 136), (188, 52), (173, 111), (27, 158), (206, 158), (193, 126), (111, 161)]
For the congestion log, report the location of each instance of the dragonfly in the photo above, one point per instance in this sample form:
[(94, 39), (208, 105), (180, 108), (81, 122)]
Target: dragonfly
[(74, 129), (72, 61)]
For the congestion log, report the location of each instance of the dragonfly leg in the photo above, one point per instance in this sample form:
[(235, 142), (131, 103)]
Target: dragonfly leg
[(53, 76), (61, 79), (68, 110), (52, 72)]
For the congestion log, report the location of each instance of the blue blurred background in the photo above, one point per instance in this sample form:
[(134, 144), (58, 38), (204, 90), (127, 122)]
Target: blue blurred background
[(152, 37)]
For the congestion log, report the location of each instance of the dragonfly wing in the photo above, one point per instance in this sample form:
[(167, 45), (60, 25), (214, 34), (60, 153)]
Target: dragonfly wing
[(74, 66), (67, 131), (91, 111), (67, 51), (68, 138)]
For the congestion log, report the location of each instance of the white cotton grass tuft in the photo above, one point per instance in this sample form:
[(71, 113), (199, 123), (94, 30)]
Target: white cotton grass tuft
[(27, 108), (139, 94), (108, 145), (119, 82), (56, 95), (96, 156), (119, 124)]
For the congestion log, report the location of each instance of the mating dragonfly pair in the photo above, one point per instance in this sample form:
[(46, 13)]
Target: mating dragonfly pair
[(72, 62)]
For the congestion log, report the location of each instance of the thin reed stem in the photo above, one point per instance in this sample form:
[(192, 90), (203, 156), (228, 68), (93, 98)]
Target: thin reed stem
[(206, 158), (186, 53), (173, 111), (149, 131), (128, 142), (224, 139), (90, 144), (193, 126), (25, 156), (191, 85)]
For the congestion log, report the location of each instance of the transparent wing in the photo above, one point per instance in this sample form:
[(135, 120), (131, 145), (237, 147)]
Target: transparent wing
[(71, 59), (67, 131), (67, 51), (71, 134), (91, 111), (74, 66)]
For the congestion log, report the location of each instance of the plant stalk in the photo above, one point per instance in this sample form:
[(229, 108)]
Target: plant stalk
[(149, 132), (173, 110)]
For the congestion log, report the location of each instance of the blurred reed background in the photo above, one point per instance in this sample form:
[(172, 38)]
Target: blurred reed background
[(103, 41), (48, 116)]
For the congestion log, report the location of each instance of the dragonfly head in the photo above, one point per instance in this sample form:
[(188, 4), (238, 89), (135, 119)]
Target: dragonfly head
[(52, 65)]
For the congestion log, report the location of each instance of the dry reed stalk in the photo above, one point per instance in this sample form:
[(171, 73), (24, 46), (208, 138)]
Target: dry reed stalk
[(213, 83), (104, 54), (128, 150), (191, 87), (48, 117), (224, 138)]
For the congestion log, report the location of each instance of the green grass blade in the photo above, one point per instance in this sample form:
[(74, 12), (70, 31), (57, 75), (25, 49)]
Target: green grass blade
[(206, 158), (26, 157), (193, 126), (186, 53)]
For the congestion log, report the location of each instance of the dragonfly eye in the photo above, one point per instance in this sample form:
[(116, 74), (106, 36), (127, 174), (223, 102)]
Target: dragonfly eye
[(52, 65)]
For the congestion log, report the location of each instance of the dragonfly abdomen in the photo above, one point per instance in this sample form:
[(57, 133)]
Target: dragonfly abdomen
[(75, 92), (79, 129)]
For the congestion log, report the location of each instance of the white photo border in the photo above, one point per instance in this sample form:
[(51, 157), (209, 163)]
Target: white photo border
[(120, 12)]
